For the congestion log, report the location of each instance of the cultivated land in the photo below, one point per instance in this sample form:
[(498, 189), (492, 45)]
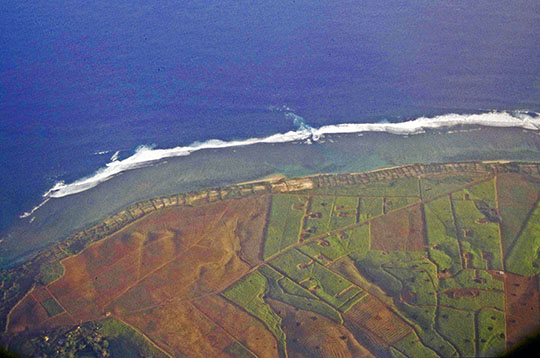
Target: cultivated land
[(435, 260)]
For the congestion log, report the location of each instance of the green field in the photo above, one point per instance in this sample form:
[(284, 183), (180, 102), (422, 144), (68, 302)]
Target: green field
[(524, 256), (442, 236), (283, 228), (248, 294), (328, 286)]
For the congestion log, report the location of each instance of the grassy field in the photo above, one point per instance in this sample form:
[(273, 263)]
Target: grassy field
[(434, 186), (442, 236), (370, 207), (333, 289), (248, 294), (459, 328), (482, 235), (411, 347), (335, 246), (283, 228), (524, 256), (283, 289), (491, 332), (517, 196)]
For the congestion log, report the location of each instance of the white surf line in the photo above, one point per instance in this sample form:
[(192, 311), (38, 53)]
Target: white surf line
[(27, 214), (146, 155)]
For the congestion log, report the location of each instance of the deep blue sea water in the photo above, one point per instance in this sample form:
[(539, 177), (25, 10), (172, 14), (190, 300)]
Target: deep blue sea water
[(78, 79)]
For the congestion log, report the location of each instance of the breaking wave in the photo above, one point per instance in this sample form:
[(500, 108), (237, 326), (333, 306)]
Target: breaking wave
[(146, 155)]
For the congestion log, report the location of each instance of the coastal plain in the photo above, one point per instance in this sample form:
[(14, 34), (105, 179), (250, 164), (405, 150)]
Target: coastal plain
[(432, 260)]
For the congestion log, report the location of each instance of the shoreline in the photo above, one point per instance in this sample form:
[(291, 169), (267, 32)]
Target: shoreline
[(278, 183), (62, 217)]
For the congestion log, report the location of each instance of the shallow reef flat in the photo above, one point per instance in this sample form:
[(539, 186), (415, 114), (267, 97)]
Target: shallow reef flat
[(61, 217)]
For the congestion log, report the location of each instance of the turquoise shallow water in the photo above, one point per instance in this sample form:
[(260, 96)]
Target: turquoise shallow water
[(60, 217), (80, 81)]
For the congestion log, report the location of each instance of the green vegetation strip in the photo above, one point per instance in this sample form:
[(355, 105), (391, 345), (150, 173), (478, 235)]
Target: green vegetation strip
[(284, 223)]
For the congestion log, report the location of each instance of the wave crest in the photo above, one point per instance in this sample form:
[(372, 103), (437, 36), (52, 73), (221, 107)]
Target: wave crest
[(146, 155)]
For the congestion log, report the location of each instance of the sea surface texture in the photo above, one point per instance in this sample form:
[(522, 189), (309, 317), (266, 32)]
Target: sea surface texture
[(90, 91)]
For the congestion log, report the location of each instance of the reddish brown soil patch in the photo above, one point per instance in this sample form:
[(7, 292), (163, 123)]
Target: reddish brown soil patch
[(244, 327), (181, 330), (401, 230), (28, 313), (310, 335), (522, 308), (372, 318), (170, 256), (517, 195)]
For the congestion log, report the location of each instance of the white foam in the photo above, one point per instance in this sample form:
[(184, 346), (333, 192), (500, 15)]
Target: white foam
[(146, 155), (114, 157), (27, 214)]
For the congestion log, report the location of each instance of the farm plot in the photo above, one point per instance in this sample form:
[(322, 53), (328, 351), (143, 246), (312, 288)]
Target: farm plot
[(410, 347), (517, 195), (318, 219), (433, 186), (249, 294), (459, 328), (237, 322), (373, 266), (328, 286), (343, 243), (491, 338), (441, 235), (287, 291), (401, 230), (372, 318), (285, 220), (369, 208), (524, 256), (472, 299), (391, 204), (182, 330), (477, 224), (312, 335), (344, 213), (522, 308)]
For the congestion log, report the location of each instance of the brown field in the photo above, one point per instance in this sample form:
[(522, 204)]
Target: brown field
[(181, 330), (28, 313), (522, 308), (247, 329), (401, 230), (310, 335), (160, 262), (372, 317)]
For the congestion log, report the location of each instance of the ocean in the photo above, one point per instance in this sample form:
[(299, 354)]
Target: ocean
[(90, 91)]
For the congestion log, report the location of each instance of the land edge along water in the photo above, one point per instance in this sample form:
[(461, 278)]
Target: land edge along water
[(336, 153), (26, 275)]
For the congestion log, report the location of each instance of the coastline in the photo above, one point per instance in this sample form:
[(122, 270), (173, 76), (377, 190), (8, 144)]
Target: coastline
[(61, 217)]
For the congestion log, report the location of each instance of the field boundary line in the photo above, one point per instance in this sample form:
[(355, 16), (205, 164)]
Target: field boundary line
[(150, 340), (222, 328)]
